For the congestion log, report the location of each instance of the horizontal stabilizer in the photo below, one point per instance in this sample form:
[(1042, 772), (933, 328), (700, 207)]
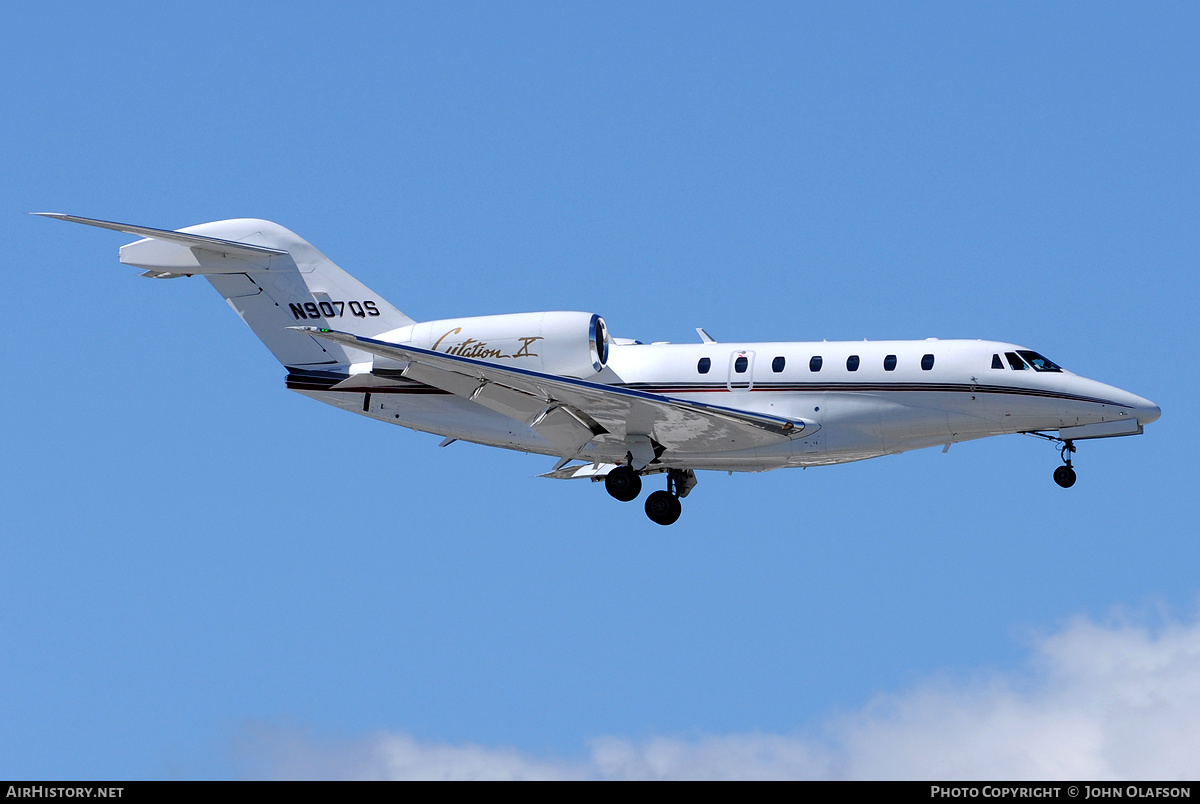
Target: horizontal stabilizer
[(227, 247)]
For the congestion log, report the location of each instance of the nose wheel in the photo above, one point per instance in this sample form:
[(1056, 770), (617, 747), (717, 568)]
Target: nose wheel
[(1065, 474)]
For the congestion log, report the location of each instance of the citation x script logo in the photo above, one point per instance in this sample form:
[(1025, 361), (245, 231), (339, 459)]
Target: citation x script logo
[(473, 348)]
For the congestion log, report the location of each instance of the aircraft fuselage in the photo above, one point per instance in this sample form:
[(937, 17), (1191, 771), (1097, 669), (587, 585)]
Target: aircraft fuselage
[(864, 412)]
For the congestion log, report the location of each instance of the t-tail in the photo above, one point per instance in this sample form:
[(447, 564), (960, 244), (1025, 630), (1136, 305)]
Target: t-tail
[(272, 278)]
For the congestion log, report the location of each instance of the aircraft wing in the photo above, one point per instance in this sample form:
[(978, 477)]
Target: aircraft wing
[(569, 413)]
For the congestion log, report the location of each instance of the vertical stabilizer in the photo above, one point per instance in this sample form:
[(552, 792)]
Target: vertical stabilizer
[(272, 278)]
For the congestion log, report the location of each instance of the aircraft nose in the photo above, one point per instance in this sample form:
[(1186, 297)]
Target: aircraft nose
[(1147, 411), (1139, 407)]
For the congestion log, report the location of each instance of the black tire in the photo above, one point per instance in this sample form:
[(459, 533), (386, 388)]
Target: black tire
[(623, 483), (663, 507), (1064, 476)]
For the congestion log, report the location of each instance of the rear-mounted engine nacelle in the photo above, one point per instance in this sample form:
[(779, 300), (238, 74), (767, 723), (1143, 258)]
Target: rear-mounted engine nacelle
[(568, 344)]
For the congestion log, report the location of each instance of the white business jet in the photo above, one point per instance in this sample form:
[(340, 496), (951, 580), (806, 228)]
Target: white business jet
[(615, 409)]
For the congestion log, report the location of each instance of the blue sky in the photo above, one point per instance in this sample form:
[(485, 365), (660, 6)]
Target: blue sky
[(205, 575)]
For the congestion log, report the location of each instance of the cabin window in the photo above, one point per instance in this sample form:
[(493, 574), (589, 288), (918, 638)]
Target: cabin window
[(852, 363), (815, 363), (777, 364), (1014, 361), (997, 362), (926, 362), (1038, 362), (741, 364), (889, 363), (704, 365)]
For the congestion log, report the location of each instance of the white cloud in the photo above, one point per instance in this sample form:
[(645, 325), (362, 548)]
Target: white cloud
[(293, 754), (1098, 702)]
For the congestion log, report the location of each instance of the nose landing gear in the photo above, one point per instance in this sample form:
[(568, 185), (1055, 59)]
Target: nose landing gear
[(1065, 475)]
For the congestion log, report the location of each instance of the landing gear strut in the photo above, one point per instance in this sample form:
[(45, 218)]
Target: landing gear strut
[(1065, 474)]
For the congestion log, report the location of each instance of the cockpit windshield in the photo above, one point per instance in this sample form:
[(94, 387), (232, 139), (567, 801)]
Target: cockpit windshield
[(1038, 362), (1017, 363)]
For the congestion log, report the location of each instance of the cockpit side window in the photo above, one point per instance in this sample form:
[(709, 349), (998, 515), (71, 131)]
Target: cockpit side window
[(1038, 362), (997, 362), (1015, 361)]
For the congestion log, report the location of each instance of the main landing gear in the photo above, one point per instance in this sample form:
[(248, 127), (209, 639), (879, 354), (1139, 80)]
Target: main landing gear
[(663, 507), (623, 483)]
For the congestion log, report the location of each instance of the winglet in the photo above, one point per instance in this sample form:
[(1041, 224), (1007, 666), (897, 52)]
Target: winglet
[(704, 336)]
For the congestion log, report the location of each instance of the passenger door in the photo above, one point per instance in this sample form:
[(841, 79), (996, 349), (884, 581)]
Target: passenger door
[(741, 371)]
